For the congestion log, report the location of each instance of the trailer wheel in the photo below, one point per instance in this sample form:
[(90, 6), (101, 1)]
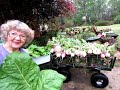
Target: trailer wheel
[(67, 74), (99, 80)]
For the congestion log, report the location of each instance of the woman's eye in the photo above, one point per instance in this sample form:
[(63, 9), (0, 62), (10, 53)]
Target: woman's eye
[(22, 36), (14, 34)]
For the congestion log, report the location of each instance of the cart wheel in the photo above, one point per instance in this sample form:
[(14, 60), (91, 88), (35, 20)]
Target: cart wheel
[(67, 74), (99, 80)]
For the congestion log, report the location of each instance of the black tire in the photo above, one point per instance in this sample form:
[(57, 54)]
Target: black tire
[(99, 80), (67, 74)]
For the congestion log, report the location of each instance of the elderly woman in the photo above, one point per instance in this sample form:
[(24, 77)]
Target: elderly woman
[(14, 35)]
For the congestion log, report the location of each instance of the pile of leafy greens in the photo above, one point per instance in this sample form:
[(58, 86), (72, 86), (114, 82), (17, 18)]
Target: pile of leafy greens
[(37, 51), (20, 72)]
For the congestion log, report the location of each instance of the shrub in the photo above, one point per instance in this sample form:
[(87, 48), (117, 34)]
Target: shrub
[(78, 19), (103, 23), (43, 39), (117, 20), (68, 23)]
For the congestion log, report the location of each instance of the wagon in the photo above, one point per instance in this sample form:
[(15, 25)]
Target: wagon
[(91, 62)]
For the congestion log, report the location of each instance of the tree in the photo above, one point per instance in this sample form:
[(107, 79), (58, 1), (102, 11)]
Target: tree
[(114, 7), (42, 9)]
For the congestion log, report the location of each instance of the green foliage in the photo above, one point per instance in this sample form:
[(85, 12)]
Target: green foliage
[(112, 49), (43, 39), (117, 20), (87, 34), (114, 14), (78, 19), (20, 72), (37, 51), (80, 33), (103, 23), (92, 20), (118, 42), (73, 44), (51, 80), (69, 23)]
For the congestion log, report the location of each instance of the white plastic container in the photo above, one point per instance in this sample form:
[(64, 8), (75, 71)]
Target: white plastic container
[(42, 59)]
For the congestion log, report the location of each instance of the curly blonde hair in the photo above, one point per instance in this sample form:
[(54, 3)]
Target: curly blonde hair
[(18, 26)]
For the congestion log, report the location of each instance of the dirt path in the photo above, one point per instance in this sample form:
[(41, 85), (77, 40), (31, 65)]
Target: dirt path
[(81, 79)]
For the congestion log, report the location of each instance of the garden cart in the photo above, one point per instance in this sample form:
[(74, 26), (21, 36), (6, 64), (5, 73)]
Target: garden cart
[(92, 62)]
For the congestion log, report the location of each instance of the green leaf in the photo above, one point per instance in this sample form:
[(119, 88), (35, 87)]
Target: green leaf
[(20, 72), (37, 51), (52, 79)]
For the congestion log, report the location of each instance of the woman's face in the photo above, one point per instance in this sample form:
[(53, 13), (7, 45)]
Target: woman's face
[(16, 39)]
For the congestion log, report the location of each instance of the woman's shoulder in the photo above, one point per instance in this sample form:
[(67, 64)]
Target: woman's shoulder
[(3, 50), (3, 53)]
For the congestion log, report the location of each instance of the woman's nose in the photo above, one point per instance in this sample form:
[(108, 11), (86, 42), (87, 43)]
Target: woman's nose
[(17, 37)]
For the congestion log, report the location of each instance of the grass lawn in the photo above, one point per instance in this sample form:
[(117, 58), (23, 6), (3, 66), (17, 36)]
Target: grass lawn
[(115, 28)]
